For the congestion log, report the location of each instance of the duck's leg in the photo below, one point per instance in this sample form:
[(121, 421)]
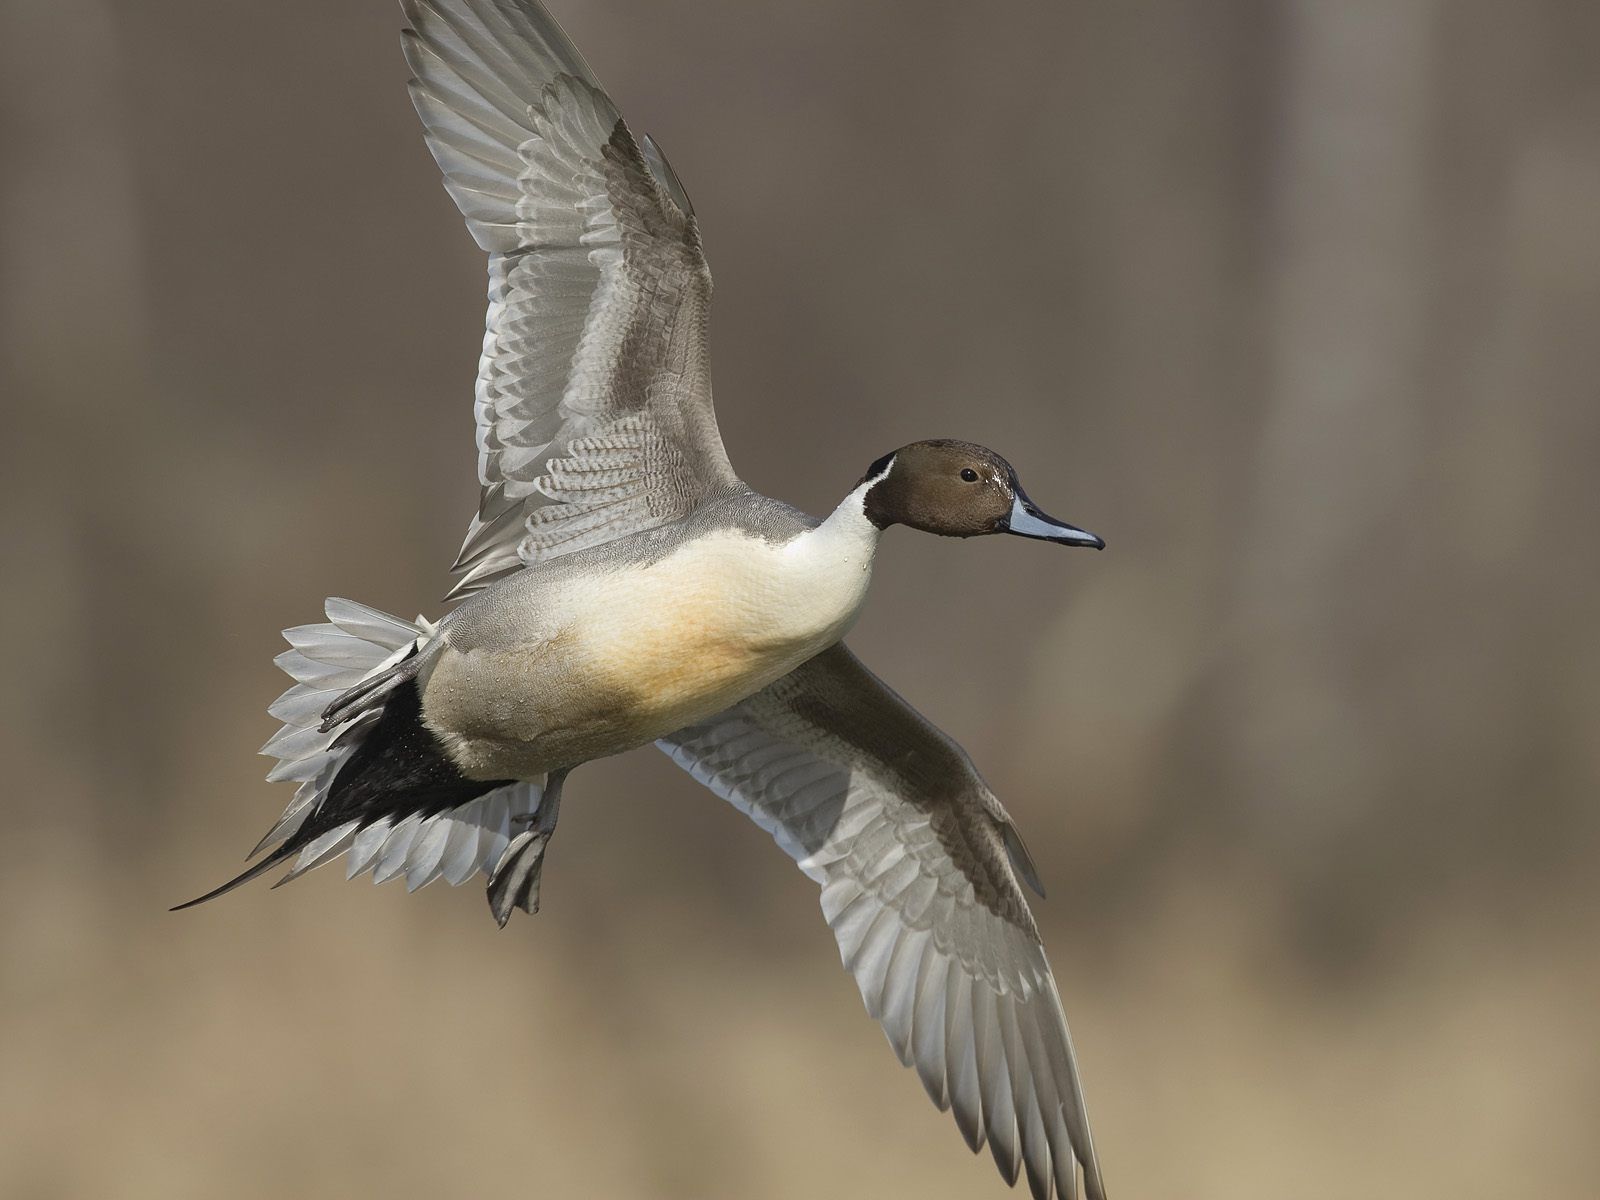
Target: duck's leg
[(515, 881)]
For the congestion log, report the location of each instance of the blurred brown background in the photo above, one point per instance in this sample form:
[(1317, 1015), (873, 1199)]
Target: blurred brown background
[(1297, 304)]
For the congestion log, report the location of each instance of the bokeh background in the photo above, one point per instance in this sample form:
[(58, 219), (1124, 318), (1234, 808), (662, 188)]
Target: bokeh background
[(1297, 304)]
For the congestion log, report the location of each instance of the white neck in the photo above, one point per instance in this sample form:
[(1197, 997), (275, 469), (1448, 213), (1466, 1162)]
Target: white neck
[(821, 579), (847, 535)]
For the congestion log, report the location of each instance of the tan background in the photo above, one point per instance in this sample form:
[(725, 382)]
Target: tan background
[(1297, 304)]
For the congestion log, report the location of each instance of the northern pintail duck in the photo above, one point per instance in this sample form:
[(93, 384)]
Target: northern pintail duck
[(620, 586)]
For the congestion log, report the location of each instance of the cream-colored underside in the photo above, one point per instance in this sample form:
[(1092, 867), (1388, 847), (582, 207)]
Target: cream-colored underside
[(620, 657)]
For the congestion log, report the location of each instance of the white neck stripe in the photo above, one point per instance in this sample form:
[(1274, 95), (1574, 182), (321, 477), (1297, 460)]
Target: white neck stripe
[(887, 467)]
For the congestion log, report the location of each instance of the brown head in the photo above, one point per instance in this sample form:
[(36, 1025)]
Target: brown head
[(958, 489)]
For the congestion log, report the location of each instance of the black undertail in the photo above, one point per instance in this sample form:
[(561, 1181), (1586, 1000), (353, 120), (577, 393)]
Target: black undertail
[(399, 769)]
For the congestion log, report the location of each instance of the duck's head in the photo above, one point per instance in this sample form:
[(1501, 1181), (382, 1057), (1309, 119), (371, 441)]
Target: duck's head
[(958, 489)]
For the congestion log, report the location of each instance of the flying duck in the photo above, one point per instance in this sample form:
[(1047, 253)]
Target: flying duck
[(620, 586)]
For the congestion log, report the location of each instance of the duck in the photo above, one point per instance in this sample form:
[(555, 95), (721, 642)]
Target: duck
[(620, 586)]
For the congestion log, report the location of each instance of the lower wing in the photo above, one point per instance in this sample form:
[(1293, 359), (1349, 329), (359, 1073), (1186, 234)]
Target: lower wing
[(918, 865)]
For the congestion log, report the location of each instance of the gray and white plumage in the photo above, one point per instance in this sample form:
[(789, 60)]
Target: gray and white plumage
[(603, 474), (594, 393), (918, 866)]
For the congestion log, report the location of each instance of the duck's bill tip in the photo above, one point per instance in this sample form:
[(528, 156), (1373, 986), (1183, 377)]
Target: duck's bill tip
[(1027, 521), (1082, 537)]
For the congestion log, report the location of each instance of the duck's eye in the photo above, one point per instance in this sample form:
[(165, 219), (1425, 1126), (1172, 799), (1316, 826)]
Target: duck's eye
[(969, 475)]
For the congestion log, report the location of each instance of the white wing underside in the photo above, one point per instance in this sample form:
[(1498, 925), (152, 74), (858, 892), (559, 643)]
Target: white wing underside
[(593, 399), (915, 858)]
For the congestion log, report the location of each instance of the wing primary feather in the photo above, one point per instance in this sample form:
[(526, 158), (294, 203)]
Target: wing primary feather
[(995, 1083), (966, 1094), (899, 997), (928, 1029), (1034, 1148)]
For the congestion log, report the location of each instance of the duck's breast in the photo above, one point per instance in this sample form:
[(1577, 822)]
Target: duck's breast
[(722, 616), (612, 658)]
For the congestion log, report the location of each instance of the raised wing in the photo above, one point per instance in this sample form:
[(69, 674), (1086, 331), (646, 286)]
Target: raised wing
[(918, 865), (594, 395)]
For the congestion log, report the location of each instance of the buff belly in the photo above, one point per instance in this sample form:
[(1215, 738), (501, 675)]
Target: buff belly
[(616, 661)]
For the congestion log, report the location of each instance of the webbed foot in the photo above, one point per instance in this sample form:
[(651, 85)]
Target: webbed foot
[(514, 883)]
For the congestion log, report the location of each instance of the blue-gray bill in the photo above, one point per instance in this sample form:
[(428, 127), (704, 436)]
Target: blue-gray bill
[(1027, 521)]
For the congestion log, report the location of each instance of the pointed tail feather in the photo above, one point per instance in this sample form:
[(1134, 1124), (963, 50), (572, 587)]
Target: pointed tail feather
[(348, 669), (245, 876)]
